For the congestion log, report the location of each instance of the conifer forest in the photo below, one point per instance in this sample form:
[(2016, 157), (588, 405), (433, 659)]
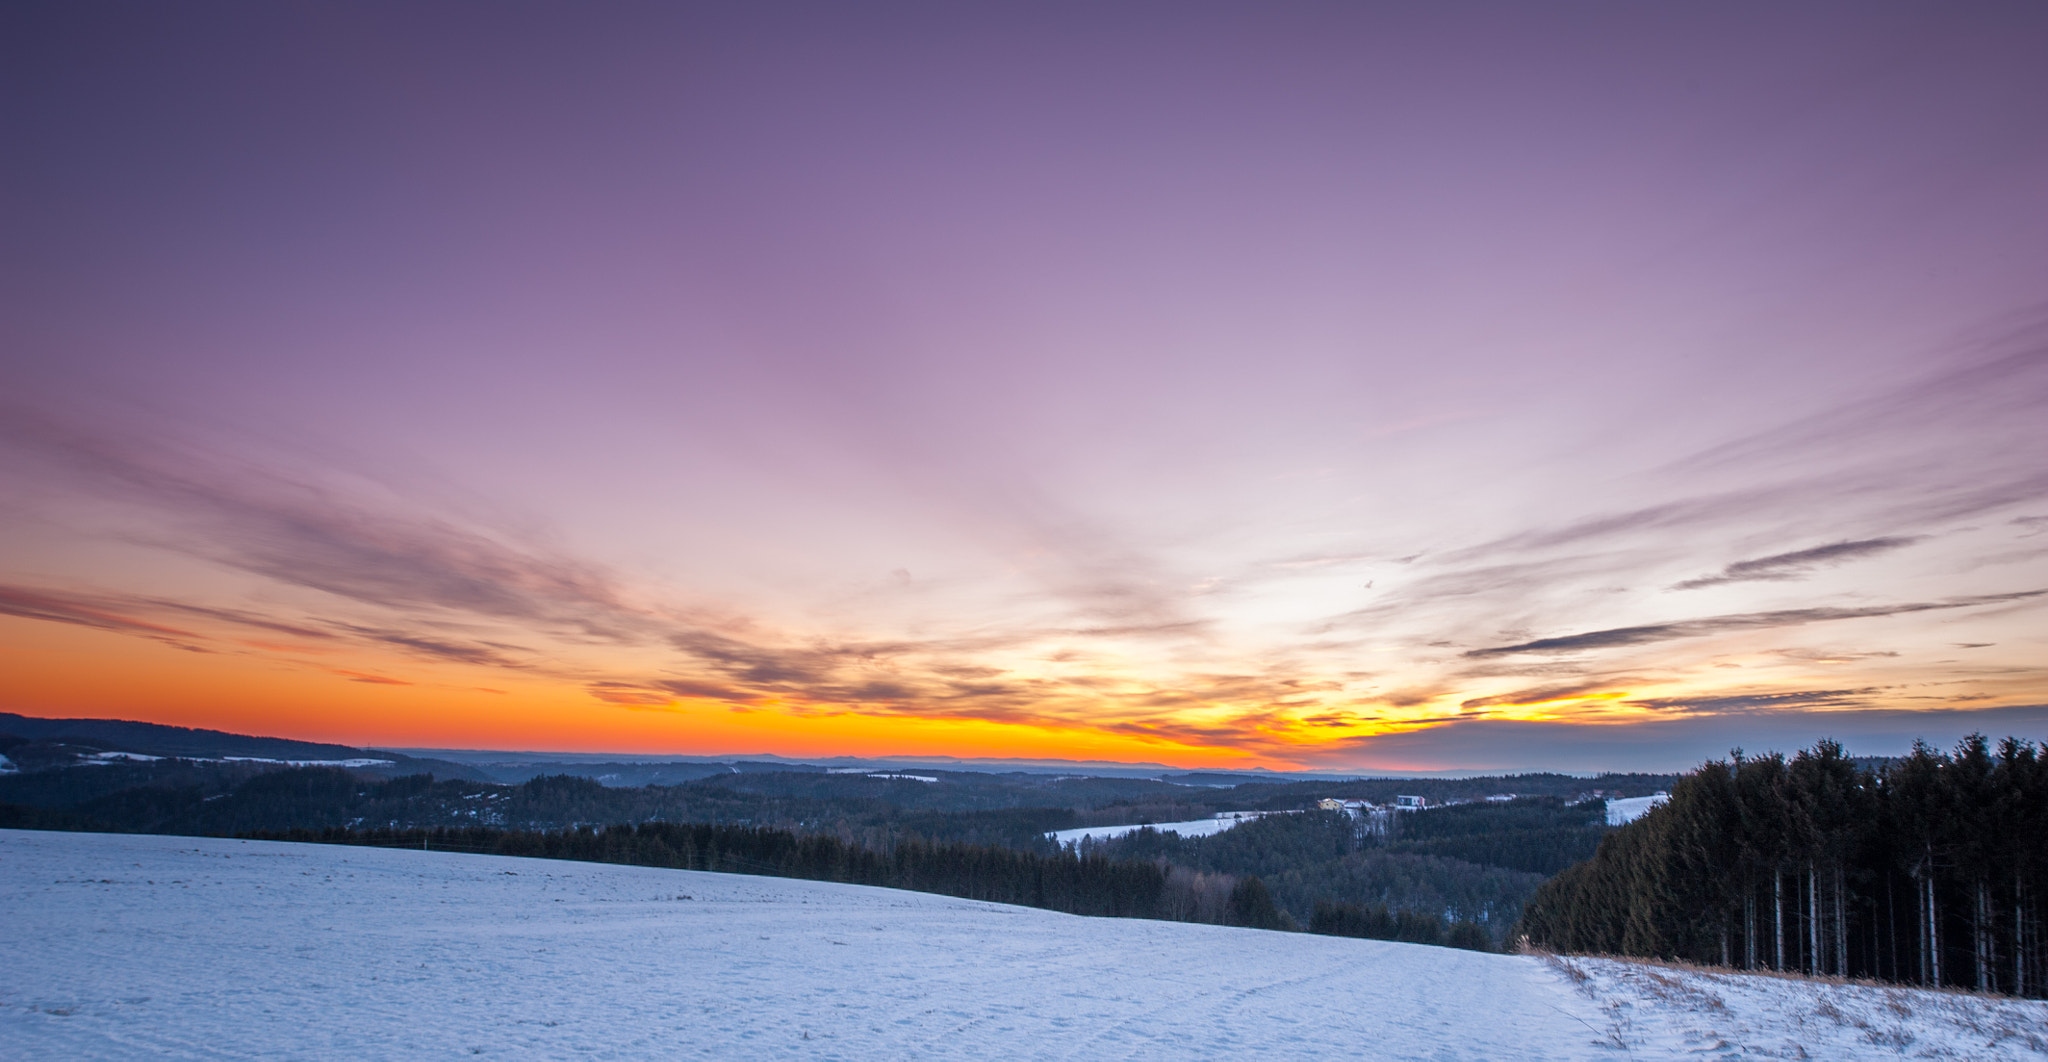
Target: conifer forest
[(1927, 870)]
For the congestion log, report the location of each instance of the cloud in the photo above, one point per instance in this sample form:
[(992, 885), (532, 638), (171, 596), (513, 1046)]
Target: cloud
[(1545, 695), (428, 582), (437, 648), (375, 680), (1784, 567), (1411, 696), (628, 694), (78, 611), (299, 532), (780, 669), (1661, 632), (1891, 460), (1461, 589), (1174, 629), (1992, 393), (109, 611), (424, 575), (1663, 517), (117, 613), (1761, 702), (1674, 743), (1677, 743)]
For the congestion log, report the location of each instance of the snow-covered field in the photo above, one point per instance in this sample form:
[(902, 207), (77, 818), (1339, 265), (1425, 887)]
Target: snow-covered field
[(1628, 809), (1657, 1011), (101, 759), (118, 947), (1196, 828)]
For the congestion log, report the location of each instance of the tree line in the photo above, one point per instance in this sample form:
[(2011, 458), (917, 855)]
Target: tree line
[(1466, 864), (1065, 881), (1536, 835), (1378, 922), (182, 796), (1925, 869), (1270, 873)]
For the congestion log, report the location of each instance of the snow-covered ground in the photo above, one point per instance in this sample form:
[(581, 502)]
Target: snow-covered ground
[(1629, 809), (103, 758), (117, 947), (1196, 828), (1658, 1011)]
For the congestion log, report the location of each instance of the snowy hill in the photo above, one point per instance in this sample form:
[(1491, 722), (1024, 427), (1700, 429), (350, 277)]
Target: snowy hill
[(1195, 828), (1622, 812), (123, 946)]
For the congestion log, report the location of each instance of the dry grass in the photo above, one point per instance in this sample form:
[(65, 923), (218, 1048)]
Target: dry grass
[(1678, 991), (1826, 1017), (1782, 975), (1573, 971)]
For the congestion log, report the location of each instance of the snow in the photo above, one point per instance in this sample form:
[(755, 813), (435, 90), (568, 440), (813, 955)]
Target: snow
[(1654, 1010), (1197, 828), (122, 946), (872, 773), (358, 762), (1629, 809), (102, 758)]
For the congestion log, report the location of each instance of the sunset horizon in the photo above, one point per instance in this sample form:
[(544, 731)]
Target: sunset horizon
[(1309, 389)]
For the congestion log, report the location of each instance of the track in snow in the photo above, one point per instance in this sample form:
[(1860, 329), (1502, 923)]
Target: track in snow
[(120, 946)]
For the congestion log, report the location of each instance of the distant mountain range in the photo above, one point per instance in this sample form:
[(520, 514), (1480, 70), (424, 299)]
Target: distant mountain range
[(60, 742), (31, 743)]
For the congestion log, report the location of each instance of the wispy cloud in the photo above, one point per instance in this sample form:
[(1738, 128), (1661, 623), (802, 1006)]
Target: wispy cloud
[(1803, 700), (100, 613), (1796, 617), (438, 648), (296, 532), (1784, 567), (1111, 637), (1547, 694)]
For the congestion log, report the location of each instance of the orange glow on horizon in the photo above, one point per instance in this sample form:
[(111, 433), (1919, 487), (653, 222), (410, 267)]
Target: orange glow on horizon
[(70, 672), (364, 696)]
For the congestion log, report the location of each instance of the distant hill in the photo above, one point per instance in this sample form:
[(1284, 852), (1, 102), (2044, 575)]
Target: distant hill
[(161, 740), (58, 742), (772, 967)]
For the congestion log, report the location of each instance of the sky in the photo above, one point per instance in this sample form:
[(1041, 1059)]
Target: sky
[(1321, 386)]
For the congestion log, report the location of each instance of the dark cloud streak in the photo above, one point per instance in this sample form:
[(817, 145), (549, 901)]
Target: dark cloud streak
[(1797, 617), (1784, 567), (297, 533), (78, 611)]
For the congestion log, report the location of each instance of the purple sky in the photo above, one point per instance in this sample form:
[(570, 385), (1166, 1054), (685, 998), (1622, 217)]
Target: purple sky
[(1338, 385)]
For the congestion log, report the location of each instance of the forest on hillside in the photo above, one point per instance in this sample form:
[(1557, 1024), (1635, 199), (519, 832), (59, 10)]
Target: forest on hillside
[(1467, 863), (1470, 865), (181, 796), (1926, 870)]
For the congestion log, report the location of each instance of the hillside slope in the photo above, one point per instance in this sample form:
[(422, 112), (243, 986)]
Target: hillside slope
[(122, 946)]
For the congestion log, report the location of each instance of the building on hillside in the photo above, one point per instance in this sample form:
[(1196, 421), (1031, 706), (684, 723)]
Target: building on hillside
[(1410, 803)]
